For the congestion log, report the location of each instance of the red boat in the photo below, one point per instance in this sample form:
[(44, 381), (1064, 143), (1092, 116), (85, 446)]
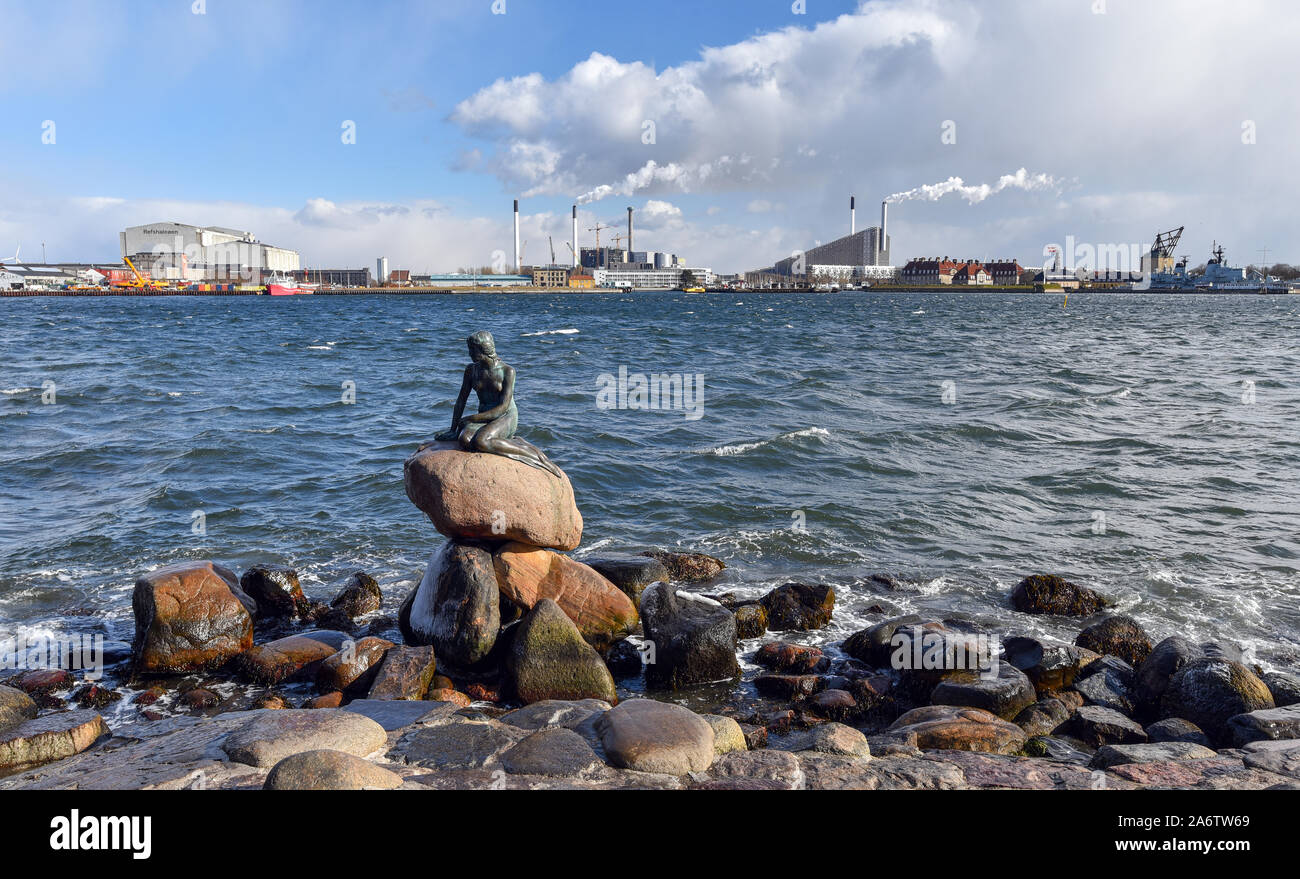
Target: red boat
[(280, 286)]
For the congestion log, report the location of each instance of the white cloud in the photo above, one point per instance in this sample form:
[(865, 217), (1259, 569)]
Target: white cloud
[(804, 116)]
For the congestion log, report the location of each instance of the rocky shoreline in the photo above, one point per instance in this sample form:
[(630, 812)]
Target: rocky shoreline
[(502, 670)]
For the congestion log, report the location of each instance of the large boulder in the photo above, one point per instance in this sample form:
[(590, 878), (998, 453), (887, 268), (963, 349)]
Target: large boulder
[(296, 657), (956, 728), (1154, 673), (275, 590), (15, 707), (1284, 686), (1097, 726), (479, 496), (1107, 682), (783, 656), (687, 567), (1056, 667), (548, 659), (1043, 717), (1175, 729), (353, 668), (404, 673), (326, 769), (798, 606), (1211, 690), (874, 644), (270, 736), (526, 575), (1118, 636), (551, 750), (1005, 691), (649, 736), (190, 616), (359, 595), (1151, 752), (1268, 724), (630, 573), (457, 607), (694, 638), (1048, 593), (49, 738)]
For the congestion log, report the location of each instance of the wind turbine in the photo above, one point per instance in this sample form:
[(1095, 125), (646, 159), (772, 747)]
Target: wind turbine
[(15, 258)]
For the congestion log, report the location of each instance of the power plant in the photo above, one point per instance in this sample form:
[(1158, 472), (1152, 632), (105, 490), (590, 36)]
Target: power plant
[(856, 256)]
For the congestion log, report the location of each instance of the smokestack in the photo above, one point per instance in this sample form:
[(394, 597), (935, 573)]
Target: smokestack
[(853, 216), (518, 267), (575, 236), (884, 219), (629, 229)]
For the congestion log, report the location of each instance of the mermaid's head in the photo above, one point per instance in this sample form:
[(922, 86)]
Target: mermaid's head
[(481, 346)]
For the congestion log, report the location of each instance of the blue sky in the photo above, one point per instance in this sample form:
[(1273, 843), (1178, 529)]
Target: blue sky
[(766, 120)]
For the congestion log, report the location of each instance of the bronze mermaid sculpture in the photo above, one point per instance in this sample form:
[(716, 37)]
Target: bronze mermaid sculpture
[(492, 429)]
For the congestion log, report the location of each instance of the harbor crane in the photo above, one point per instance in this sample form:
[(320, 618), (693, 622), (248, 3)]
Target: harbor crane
[(1165, 243), (551, 242), (596, 228)]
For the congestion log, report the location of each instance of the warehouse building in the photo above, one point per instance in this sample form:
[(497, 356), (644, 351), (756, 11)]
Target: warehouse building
[(176, 251), (334, 277), (24, 276)]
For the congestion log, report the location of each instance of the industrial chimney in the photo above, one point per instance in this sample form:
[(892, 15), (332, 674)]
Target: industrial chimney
[(884, 219), (853, 216), (629, 230), (575, 236), (518, 267)]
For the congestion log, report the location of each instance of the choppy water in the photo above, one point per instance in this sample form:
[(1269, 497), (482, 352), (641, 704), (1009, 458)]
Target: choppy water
[(827, 410)]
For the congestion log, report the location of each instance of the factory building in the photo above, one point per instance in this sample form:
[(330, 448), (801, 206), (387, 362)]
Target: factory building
[(616, 258), (176, 251), (334, 277), (651, 278)]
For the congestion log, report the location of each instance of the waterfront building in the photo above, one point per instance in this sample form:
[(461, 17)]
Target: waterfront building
[(24, 276), (470, 279), (1005, 271), (581, 281), (334, 277), (178, 251), (865, 248), (929, 271), (972, 274), (642, 278), (550, 276)]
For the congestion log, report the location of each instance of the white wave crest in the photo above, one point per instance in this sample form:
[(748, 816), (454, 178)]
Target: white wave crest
[(742, 448)]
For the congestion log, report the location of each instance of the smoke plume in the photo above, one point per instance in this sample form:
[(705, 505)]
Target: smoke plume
[(976, 193)]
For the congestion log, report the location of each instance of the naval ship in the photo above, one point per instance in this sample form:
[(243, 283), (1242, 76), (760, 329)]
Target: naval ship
[(1219, 277)]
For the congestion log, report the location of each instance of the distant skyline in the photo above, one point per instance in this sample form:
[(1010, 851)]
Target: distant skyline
[(738, 130)]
